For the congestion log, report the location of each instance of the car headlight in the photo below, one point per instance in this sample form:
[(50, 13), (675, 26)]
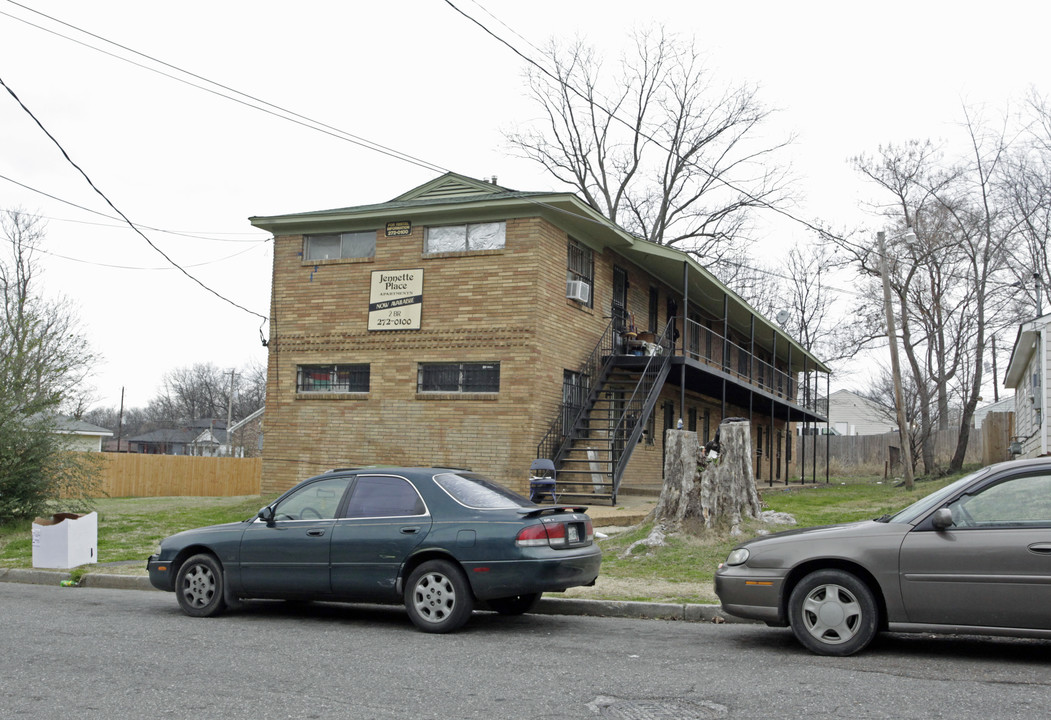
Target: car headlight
[(737, 557)]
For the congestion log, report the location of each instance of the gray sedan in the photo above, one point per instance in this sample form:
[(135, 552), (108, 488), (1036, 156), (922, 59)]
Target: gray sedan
[(973, 557)]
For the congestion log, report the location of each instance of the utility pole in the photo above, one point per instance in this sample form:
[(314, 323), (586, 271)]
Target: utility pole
[(230, 416), (120, 418), (895, 365)]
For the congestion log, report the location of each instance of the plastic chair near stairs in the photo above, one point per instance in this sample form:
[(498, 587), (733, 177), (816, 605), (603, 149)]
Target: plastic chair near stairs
[(542, 480)]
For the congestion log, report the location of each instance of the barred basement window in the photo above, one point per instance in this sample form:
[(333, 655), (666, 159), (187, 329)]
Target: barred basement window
[(464, 238), (340, 245), (332, 379), (458, 377)]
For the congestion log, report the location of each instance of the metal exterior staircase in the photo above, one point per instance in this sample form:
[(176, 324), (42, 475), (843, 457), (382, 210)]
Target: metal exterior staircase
[(594, 443)]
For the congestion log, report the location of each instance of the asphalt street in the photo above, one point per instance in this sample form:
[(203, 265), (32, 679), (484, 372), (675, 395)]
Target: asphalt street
[(115, 654)]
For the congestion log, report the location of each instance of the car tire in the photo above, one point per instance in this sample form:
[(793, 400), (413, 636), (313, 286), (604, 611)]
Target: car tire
[(438, 597), (199, 586), (832, 612), (515, 604)]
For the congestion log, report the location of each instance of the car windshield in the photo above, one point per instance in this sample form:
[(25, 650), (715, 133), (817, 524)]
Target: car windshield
[(476, 491), (936, 498)]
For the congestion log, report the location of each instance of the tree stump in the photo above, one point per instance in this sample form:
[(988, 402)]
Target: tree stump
[(713, 492)]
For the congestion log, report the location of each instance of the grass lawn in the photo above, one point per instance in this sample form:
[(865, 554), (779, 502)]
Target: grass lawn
[(130, 528)]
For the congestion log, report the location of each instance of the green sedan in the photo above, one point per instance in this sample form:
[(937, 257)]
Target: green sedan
[(438, 540)]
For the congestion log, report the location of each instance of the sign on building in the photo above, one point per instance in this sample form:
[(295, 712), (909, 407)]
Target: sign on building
[(396, 299)]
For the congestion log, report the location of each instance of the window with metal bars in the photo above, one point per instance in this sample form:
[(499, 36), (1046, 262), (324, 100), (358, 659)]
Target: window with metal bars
[(580, 266), (458, 377), (332, 378)]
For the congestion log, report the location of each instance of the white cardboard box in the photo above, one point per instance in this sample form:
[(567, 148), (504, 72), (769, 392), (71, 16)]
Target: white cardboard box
[(65, 540)]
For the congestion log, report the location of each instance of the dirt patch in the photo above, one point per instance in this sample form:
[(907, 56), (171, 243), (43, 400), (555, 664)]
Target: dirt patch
[(611, 588)]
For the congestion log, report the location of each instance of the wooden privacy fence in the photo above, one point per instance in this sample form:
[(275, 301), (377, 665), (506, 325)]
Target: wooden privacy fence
[(870, 454), (135, 475)]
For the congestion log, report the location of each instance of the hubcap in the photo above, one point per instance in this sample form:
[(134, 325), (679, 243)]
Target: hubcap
[(831, 614), (198, 586), (434, 597)]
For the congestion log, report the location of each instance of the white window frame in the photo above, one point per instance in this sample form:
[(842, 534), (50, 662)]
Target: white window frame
[(351, 246)]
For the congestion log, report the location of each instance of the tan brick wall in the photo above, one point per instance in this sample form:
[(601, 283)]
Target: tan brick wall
[(505, 306)]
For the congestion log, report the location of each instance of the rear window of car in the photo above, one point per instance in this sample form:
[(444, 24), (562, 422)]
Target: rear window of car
[(476, 491)]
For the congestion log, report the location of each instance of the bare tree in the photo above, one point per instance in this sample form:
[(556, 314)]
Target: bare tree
[(203, 390), (44, 357), (656, 146)]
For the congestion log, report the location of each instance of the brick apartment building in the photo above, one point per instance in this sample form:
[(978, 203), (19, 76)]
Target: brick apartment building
[(469, 325)]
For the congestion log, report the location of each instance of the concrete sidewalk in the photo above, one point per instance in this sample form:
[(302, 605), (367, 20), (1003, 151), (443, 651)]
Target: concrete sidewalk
[(629, 510), (686, 612)]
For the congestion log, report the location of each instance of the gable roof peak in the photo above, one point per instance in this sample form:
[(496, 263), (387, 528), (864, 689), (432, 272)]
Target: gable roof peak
[(452, 185)]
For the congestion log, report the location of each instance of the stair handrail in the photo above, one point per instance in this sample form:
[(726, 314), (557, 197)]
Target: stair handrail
[(560, 432), (644, 405)]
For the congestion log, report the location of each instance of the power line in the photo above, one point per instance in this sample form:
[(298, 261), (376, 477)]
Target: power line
[(823, 232), (131, 267), (288, 115), (181, 233), (117, 210)]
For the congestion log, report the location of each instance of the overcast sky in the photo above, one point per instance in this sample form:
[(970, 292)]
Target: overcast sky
[(419, 78)]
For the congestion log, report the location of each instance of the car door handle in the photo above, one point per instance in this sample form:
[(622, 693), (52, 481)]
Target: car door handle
[(315, 533), (410, 530), (1041, 548)]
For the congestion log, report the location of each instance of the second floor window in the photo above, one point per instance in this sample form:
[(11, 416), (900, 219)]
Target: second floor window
[(465, 238), (332, 379), (580, 266), (458, 377), (340, 245)]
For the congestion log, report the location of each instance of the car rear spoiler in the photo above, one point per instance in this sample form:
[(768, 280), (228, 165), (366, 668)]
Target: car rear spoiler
[(551, 510)]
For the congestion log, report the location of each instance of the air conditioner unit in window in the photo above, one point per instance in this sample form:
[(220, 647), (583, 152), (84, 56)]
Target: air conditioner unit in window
[(578, 290)]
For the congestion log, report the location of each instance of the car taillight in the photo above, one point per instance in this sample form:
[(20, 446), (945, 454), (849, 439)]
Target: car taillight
[(532, 535), (555, 534)]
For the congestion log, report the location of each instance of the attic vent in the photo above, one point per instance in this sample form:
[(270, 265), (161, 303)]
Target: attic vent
[(452, 188)]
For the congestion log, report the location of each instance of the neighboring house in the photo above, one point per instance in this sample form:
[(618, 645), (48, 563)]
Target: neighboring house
[(82, 436), (1006, 405), (852, 414), (243, 439), (176, 441), (246, 435), (1027, 374), (466, 324)]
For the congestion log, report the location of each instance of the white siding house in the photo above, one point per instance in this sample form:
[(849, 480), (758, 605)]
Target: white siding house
[(852, 414), (81, 436), (1027, 373)]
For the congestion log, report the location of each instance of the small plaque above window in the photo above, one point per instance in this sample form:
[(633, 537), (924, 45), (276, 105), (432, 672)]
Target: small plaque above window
[(398, 229)]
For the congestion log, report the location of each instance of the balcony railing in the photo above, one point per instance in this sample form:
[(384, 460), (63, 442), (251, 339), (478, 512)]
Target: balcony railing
[(705, 345)]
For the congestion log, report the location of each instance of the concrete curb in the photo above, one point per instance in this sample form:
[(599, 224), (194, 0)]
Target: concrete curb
[(686, 612)]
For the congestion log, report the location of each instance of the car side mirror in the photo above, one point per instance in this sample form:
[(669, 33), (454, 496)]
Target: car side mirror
[(942, 519), (267, 515)]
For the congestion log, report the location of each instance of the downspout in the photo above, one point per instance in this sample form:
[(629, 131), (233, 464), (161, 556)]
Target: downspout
[(773, 390), (1043, 390), (790, 397), (802, 437), (685, 316)]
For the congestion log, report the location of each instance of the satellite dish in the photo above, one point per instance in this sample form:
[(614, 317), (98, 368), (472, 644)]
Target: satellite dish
[(782, 317)]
